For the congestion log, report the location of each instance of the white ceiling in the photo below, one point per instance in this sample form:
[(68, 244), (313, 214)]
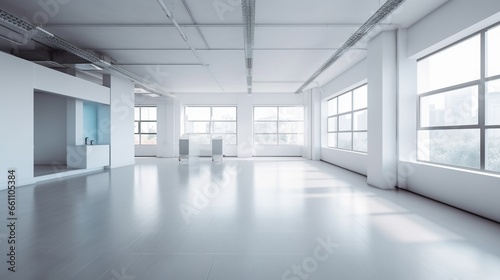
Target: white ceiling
[(293, 38)]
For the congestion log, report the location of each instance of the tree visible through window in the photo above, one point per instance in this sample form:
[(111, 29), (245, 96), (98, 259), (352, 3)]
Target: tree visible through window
[(459, 103), (348, 120)]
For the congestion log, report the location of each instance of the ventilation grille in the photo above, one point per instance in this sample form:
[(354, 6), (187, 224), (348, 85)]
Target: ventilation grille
[(376, 18)]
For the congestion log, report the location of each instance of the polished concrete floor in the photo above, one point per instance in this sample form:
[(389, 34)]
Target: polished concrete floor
[(45, 169), (263, 218)]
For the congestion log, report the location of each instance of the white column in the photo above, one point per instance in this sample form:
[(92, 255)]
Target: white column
[(382, 88), (316, 124), (122, 121), (74, 128), (245, 126), (307, 101), (407, 113)]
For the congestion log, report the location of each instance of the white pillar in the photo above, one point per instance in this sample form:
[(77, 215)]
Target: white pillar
[(407, 118), (308, 134), (316, 124), (122, 105), (74, 128), (382, 101), (245, 126)]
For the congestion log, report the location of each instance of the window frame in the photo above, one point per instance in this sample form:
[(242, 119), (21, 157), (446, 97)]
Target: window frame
[(277, 122), (212, 121), (140, 121), (481, 85), (338, 115)]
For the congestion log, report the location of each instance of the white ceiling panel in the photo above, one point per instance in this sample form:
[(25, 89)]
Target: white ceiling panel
[(315, 11), (151, 56), (223, 37), (178, 78), (228, 67), (287, 65), (302, 37), (293, 38), (96, 11), (216, 11), (288, 87), (127, 37)]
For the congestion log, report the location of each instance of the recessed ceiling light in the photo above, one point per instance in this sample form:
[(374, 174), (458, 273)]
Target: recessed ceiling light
[(87, 67), (141, 91)]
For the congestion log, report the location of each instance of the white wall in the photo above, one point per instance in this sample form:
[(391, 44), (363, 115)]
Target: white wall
[(53, 81), (19, 80), (16, 117), (50, 128), (353, 77), (245, 104), (454, 20), (349, 160), (472, 191)]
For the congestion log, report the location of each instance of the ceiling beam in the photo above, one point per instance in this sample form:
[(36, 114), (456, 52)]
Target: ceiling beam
[(226, 49), (386, 9), (186, 6), (157, 64), (278, 82), (194, 25), (170, 16)]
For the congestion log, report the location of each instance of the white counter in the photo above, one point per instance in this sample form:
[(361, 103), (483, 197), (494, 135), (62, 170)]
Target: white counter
[(87, 156)]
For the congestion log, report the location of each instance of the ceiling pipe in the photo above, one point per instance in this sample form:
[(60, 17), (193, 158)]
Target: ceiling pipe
[(186, 6), (248, 10), (386, 9), (170, 16), (31, 31)]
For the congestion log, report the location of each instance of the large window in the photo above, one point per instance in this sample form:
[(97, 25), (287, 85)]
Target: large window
[(207, 122), (348, 120), (145, 125), (459, 103), (278, 125)]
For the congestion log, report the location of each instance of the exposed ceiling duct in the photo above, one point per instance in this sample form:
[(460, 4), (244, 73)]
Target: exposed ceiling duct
[(248, 10), (31, 31), (386, 9), (170, 16)]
